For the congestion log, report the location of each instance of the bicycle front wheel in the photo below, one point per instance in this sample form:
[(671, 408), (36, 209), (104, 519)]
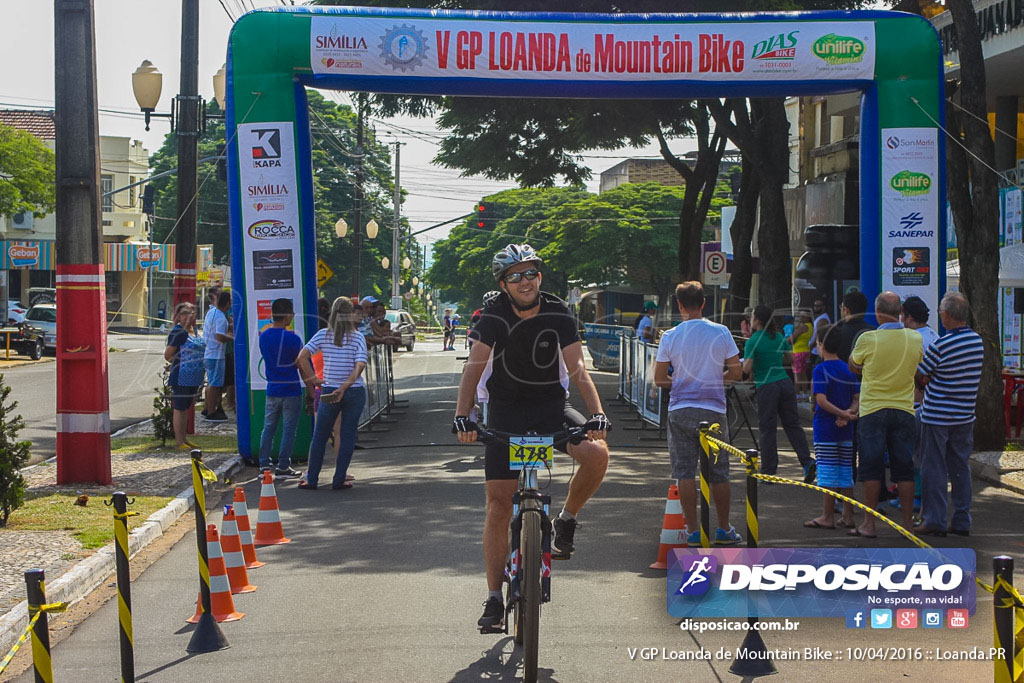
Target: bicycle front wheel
[(529, 587)]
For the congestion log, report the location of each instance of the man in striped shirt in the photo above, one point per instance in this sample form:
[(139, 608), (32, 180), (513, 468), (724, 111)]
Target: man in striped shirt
[(950, 373)]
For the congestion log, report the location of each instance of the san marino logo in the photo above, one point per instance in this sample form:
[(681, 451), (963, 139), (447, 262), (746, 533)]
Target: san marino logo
[(698, 570), (910, 183), (403, 47), (836, 50)]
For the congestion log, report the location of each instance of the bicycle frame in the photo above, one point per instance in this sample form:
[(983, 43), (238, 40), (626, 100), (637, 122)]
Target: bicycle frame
[(528, 500)]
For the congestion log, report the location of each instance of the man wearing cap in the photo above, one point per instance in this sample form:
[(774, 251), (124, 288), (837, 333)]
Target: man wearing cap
[(368, 304), (645, 330)]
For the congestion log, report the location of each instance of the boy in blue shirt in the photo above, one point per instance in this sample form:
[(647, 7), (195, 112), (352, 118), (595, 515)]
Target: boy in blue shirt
[(280, 348), (836, 398)]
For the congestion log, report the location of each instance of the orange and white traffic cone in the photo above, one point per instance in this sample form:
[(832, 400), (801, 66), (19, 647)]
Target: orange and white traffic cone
[(268, 521), (244, 530), (673, 529), (233, 560), (220, 589)]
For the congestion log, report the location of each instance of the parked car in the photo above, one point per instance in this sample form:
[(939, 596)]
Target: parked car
[(26, 340), (43, 318), (402, 323), (15, 312)]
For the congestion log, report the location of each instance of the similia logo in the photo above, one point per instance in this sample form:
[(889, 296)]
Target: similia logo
[(782, 46), (839, 49), (23, 255), (910, 183)]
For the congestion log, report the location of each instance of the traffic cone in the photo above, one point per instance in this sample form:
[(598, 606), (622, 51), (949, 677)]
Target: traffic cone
[(220, 589), (268, 521), (233, 560), (673, 529), (244, 530)]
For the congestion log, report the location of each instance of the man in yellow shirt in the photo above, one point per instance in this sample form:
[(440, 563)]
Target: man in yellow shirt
[(886, 359)]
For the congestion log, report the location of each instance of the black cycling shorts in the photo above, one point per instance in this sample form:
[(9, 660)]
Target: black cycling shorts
[(542, 417)]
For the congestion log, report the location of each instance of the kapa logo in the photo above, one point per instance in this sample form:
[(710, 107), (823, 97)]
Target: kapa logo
[(266, 149), (910, 183), (697, 579), (23, 255), (271, 230), (782, 46), (839, 49)]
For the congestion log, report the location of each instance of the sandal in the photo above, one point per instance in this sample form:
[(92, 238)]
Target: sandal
[(338, 487), (815, 524), (857, 532), (846, 525), (303, 484)]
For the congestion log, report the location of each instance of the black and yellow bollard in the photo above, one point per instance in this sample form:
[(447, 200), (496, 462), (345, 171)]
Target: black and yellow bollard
[(752, 658), (207, 637), (1003, 615), (36, 591), (705, 491), (124, 584)]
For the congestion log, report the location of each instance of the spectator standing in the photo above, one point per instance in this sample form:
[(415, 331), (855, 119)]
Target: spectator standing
[(702, 356), (852, 324), (886, 359), (645, 329), (745, 324), (915, 317), (280, 349), (800, 338), (184, 352), (344, 390), (765, 356), (216, 335), (449, 331), (836, 396), (380, 326), (821, 319), (950, 373)]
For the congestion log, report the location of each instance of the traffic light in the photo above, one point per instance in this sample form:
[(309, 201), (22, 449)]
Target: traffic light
[(484, 217), (149, 200)]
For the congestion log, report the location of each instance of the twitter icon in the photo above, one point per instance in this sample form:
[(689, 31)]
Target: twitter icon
[(881, 618)]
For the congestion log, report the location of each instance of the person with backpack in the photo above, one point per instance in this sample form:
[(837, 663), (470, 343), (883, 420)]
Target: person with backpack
[(184, 351)]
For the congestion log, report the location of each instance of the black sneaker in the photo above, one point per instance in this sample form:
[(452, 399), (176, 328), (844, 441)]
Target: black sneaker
[(493, 619), (811, 473), (288, 472), (562, 543), (218, 416)]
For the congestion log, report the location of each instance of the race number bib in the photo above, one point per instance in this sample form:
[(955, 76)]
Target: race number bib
[(530, 452)]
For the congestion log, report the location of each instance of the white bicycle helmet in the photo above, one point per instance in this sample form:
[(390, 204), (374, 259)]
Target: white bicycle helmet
[(512, 254)]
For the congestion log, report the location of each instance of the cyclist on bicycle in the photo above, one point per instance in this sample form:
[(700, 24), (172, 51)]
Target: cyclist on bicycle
[(527, 343)]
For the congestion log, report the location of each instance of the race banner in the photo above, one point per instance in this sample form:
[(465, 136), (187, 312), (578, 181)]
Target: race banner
[(624, 52)]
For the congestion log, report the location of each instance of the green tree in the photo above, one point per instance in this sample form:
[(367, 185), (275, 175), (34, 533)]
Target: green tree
[(27, 172), (13, 455)]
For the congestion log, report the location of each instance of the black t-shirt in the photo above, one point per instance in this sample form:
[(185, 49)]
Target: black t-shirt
[(849, 330), (177, 337), (526, 362)]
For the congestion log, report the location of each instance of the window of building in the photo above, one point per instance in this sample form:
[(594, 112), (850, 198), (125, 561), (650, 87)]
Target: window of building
[(106, 185), (113, 282), (131, 191)]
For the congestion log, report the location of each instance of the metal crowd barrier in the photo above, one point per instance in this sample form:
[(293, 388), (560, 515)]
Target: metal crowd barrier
[(637, 390), (380, 381)]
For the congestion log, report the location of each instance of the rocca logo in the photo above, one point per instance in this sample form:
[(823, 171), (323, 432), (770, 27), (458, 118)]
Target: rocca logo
[(911, 183), (271, 230), (839, 49), (22, 255), (782, 46)]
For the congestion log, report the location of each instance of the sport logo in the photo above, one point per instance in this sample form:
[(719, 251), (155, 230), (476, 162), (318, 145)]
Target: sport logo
[(271, 230), (403, 47), (266, 149), (23, 255), (911, 256), (698, 570), (837, 50), (911, 183), (782, 46)]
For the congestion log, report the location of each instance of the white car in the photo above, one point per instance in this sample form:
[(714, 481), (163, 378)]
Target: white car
[(44, 317), (15, 312)]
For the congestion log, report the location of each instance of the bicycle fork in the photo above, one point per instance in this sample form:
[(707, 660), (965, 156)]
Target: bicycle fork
[(515, 553)]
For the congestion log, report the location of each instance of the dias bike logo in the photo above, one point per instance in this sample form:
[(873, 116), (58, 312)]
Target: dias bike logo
[(836, 50), (782, 46)]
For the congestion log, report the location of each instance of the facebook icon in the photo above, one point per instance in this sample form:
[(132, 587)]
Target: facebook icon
[(855, 619)]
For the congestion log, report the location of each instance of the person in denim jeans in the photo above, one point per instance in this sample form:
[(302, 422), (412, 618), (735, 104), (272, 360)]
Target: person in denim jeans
[(280, 349), (887, 360), (343, 389)]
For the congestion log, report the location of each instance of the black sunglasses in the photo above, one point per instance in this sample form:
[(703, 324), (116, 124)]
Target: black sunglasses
[(513, 278)]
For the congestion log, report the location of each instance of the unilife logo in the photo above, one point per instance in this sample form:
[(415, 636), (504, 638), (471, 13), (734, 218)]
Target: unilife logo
[(911, 183), (839, 49)]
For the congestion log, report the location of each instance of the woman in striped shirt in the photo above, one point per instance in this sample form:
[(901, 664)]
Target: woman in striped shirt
[(343, 389)]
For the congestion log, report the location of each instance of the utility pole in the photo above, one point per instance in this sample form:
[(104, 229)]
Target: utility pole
[(396, 298), (188, 144), (83, 404), (359, 196)]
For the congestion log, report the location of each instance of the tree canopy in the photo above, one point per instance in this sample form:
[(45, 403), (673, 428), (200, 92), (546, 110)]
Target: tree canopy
[(27, 174)]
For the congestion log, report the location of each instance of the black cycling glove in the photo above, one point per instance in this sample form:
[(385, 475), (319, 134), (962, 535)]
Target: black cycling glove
[(598, 422), (461, 423)]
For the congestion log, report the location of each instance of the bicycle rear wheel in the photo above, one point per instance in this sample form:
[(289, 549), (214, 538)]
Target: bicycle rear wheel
[(528, 617)]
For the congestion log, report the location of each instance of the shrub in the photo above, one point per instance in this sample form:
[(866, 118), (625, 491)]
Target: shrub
[(14, 455), (163, 414)]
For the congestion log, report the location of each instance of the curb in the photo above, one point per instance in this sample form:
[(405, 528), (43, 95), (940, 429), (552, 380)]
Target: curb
[(86, 575), (993, 475)]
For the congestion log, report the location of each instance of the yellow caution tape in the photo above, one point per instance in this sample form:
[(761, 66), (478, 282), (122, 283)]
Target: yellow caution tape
[(51, 607), (24, 636), (206, 473), (126, 515)]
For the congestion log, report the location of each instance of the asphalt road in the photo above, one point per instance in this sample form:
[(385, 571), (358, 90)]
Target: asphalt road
[(384, 582), (134, 364)]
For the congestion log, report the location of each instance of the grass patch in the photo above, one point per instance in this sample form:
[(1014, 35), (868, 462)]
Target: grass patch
[(92, 525), (1013, 446), (127, 445)]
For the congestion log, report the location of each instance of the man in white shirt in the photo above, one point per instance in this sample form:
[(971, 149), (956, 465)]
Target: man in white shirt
[(645, 330), (695, 359), (216, 335)]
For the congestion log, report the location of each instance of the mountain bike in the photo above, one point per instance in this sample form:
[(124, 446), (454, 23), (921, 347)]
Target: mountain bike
[(528, 568)]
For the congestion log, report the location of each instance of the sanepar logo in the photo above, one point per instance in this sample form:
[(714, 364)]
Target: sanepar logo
[(910, 183), (839, 49), (782, 46)]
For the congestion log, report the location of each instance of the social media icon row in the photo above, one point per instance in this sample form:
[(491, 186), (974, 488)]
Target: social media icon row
[(906, 618)]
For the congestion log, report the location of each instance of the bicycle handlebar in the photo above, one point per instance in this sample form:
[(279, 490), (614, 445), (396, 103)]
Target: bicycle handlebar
[(573, 435)]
